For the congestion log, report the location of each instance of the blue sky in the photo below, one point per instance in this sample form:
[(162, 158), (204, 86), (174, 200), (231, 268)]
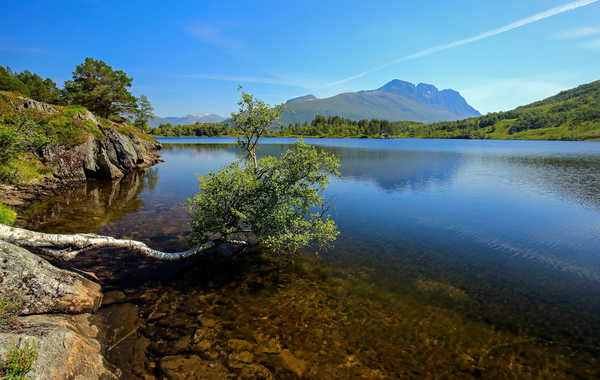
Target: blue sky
[(189, 56)]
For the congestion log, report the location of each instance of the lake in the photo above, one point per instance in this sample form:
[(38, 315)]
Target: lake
[(456, 258)]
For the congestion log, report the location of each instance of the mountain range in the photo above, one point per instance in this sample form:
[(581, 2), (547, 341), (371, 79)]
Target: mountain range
[(186, 120), (394, 101)]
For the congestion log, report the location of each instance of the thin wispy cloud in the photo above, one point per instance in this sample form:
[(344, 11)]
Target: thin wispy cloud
[(214, 35), (591, 45), (249, 79), (494, 32), (579, 33)]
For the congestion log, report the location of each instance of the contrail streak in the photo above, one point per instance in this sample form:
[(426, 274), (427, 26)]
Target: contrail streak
[(517, 24)]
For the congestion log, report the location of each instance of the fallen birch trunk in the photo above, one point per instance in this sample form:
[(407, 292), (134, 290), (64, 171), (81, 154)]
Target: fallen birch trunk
[(66, 247)]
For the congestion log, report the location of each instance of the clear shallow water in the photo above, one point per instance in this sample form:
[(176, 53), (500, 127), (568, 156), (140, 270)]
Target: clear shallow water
[(512, 226)]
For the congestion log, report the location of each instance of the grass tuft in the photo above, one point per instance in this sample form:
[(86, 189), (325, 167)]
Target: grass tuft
[(8, 216)]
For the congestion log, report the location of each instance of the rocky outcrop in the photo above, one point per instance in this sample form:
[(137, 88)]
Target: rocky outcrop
[(110, 152), (66, 344), (43, 288), (113, 156)]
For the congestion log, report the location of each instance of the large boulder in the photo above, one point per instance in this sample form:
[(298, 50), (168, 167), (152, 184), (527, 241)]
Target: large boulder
[(43, 288), (66, 347)]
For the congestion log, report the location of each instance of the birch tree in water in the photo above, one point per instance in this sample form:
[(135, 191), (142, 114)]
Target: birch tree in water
[(277, 199)]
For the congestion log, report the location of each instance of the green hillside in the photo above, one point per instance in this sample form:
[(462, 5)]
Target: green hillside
[(571, 115)]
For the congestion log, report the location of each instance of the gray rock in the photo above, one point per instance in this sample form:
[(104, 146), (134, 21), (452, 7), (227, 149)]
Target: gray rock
[(87, 115), (43, 288), (109, 158), (27, 103), (123, 146), (66, 347)]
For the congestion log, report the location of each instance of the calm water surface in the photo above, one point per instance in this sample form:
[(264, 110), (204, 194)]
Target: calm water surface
[(504, 233)]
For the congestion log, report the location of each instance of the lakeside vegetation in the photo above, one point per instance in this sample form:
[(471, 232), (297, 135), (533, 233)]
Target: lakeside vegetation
[(570, 115), (8, 216)]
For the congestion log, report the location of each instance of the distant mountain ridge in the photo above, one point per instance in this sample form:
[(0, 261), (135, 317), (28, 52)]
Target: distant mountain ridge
[(187, 119), (396, 100)]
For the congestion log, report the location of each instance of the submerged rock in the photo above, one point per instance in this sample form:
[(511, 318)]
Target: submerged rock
[(238, 345), (256, 372), (114, 297), (171, 347), (240, 359), (192, 367), (292, 363), (43, 288), (441, 289)]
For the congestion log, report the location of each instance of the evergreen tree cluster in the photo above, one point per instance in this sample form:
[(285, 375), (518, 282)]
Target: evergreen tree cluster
[(194, 130), (95, 85), (30, 85), (338, 126)]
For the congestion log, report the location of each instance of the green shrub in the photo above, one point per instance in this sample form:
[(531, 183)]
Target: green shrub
[(19, 362)]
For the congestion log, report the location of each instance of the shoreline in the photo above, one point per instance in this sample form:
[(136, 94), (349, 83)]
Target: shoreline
[(67, 334), (377, 138)]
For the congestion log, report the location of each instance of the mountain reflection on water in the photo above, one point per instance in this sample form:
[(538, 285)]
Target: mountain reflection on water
[(512, 227), (391, 170)]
